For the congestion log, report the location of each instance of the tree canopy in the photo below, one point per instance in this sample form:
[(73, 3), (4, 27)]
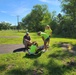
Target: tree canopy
[(38, 18), (69, 8)]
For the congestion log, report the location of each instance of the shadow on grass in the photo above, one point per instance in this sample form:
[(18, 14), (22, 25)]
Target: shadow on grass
[(65, 45), (53, 68), (64, 53), (19, 50), (61, 44), (40, 68), (2, 67), (20, 71), (33, 56), (74, 47), (61, 55)]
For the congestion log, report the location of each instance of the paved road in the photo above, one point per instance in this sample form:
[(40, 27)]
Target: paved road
[(11, 48)]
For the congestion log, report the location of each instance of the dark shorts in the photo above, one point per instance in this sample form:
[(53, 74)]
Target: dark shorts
[(47, 39), (49, 36)]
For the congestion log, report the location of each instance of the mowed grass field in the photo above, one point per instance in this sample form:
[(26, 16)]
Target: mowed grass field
[(55, 61)]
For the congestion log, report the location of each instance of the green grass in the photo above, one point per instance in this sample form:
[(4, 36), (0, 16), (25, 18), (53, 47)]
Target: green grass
[(52, 62), (11, 37)]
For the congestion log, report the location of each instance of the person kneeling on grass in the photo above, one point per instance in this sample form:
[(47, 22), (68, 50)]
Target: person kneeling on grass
[(33, 48), (45, 38), (27, 40)]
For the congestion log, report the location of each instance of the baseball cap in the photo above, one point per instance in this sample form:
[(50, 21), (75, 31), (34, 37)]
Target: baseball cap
[(27, 32)]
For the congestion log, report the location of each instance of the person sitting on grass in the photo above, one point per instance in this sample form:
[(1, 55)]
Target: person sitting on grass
[(45, 38), (33, 48), (27, 40)]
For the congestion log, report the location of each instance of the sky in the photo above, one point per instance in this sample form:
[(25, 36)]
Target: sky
[(11, 9)]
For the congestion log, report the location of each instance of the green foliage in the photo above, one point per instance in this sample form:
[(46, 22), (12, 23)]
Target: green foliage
[(69, 8), (11, 37), (38, 18), (62, 25), (5, 26), (53, 22)]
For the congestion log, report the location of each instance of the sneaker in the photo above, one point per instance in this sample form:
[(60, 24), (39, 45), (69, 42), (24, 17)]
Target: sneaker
[(48, 46), (47, 50), (43, 50)]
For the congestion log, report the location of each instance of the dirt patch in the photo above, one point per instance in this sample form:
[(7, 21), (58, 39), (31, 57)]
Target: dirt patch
[(67, 46), (70, 63)]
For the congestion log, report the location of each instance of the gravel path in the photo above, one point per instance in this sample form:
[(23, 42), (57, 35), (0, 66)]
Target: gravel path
[(6, 48)]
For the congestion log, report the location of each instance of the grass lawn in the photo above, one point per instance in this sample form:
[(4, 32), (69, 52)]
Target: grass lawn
[(55, 61)]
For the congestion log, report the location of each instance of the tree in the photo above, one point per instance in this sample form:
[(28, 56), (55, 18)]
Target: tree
[(4, 26), (59, 26), (69, 8), (38, 18), (53, 21), (14, 27)]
